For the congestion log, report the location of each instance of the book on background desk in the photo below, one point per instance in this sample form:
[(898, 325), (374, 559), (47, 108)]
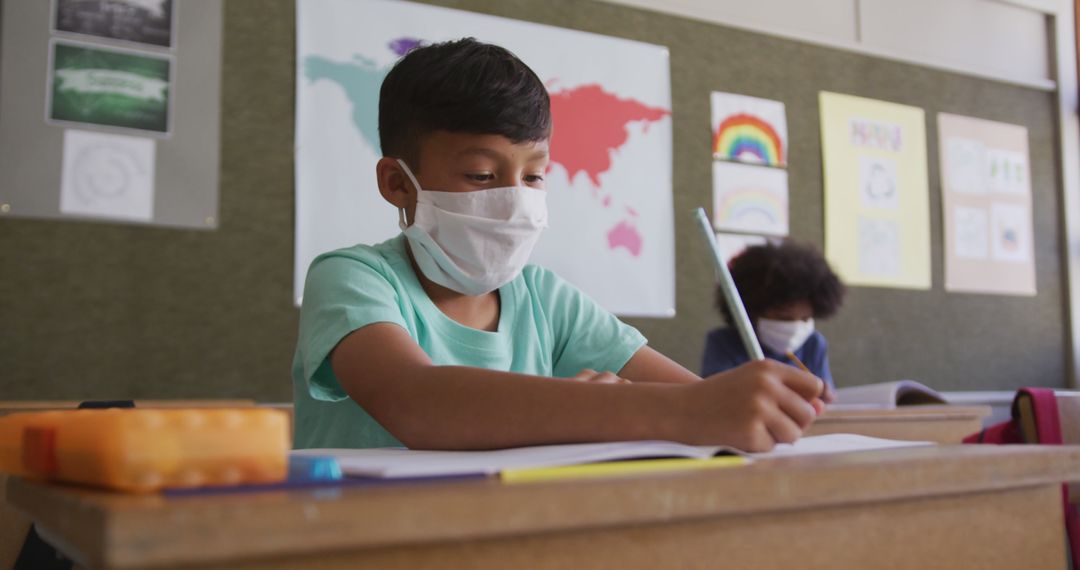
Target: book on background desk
[(885, 395), (401, 462)]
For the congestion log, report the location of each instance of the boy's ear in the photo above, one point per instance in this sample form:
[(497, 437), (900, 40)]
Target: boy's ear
[(393, 184)]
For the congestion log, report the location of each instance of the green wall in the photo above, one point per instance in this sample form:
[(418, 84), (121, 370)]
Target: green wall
[(93, 310)]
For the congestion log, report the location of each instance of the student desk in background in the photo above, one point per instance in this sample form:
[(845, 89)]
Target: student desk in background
[(939, 424), (946, 507)]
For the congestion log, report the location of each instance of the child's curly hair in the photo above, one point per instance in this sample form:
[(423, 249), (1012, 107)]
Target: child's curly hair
[(772, 276)]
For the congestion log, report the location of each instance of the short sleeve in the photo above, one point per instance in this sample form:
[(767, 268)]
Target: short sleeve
[(584, 334), (721, 353), (342, 293)]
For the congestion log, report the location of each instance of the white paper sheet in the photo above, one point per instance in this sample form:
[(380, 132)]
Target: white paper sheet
[(107, 176)]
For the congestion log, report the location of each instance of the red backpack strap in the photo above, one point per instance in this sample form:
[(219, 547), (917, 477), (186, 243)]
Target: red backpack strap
[(1048, 426), (1047, 421), (1004, 432)]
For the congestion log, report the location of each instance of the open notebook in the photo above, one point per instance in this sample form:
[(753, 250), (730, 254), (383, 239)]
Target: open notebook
[(399, 462), (886, 395)]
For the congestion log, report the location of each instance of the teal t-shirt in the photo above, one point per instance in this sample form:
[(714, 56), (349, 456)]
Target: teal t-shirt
[(547, 327)]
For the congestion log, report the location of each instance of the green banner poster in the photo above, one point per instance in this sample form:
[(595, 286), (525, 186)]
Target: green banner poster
[(109, 87)]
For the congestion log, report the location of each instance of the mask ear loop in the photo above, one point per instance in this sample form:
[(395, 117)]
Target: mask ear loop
[(415, 183), (409, 174)]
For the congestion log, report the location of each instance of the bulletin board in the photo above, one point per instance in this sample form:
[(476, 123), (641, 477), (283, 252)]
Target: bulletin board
[(110, 310)]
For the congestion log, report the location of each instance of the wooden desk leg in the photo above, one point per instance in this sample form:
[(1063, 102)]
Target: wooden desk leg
[(1019, 528)]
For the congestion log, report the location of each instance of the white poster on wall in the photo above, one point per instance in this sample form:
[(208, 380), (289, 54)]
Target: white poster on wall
[(749, 130), (750, 199), (987, 206), (107, 176), (732, 245), (609, 188)]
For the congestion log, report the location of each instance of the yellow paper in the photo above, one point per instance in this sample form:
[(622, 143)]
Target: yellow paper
[(877, 220), (617, 468)]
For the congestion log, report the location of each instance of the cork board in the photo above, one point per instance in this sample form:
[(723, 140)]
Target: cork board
[(99, 310)]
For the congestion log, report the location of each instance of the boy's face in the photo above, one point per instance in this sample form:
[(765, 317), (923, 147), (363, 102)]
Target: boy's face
[(462, 162)]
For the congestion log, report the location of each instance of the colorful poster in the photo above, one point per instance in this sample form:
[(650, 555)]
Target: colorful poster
[(107, 176), (750, 199), (749, 129), (986, 200), (109, 87), (877, 220), (148, 22), (609, 188)]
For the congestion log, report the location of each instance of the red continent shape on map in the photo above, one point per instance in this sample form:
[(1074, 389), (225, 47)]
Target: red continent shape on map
[(589, 124)]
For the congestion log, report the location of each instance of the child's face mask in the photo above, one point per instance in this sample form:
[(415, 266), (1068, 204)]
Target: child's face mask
[(784, 336), (474, 242)]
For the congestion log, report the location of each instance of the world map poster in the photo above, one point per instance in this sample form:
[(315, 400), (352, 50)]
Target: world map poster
[(610, 181)]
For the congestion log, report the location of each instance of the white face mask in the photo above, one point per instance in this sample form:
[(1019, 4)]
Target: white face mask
[(784, 336), (474, 242)]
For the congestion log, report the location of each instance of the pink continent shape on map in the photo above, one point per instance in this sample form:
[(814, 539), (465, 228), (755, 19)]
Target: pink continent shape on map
[(591, 124), (625, 235)]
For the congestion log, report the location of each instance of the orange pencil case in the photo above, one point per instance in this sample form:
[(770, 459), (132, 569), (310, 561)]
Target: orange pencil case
[(145, 450)]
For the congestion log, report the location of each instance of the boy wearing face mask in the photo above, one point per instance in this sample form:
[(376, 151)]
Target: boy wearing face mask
[(784, 288), (444, 338)]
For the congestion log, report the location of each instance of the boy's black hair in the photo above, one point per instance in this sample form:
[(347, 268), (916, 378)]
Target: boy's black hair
[(462, 86), (773, 276)]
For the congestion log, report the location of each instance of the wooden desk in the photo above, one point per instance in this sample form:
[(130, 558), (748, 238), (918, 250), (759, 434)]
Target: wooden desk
[(939, 424), (945, 507)]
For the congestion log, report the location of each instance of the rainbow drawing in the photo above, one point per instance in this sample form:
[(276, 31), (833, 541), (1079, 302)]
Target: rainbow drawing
[(751, 209), (748, 138)]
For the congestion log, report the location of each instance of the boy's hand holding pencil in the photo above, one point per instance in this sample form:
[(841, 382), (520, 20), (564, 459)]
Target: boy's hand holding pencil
[(752, 407)]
